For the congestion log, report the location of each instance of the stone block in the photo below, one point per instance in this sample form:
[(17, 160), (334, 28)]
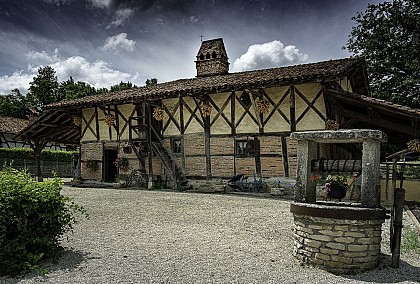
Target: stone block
[(341, 228), (320, 238), (354, 254), (341, 259), (365, 241), (332, 233), (345, 240), (354, 234), (316, 227), (322, 256), (357, 247), (328, 251), (312, 243), (365, 259), (336, 246)]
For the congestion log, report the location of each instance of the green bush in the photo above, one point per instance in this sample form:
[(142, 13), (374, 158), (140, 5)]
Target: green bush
[(33, 218)]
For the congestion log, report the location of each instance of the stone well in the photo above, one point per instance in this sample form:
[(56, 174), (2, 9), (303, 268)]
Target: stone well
[(343, 238)]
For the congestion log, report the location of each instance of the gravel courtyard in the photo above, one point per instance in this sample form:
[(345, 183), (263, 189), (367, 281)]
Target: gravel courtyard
[(138, 236)]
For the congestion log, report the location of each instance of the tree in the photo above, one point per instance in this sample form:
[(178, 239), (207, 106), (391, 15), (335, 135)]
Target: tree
[(151, 82), (122, 86), (388, 36), (70, 90), (43, 89), (13, 105)]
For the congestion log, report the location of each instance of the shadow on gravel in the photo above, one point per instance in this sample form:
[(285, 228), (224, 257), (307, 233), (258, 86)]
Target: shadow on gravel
[(386, 274), (69, 260)]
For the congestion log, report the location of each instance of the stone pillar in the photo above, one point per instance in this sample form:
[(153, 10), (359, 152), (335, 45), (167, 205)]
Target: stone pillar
[(305, 188), (371, 187)]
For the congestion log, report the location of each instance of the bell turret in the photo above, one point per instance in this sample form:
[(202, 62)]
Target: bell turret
[(212, 58)]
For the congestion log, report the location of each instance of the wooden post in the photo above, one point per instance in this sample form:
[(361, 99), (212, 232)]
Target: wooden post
[(292, 109), (149, 142), (285, 156), (396, 239), (37, 146), (206, 121)]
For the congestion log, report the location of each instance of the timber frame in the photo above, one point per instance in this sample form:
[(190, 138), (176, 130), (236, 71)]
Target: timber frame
[(212, 114)]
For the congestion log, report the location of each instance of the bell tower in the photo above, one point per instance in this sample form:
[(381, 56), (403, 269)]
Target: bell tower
[(212, 58)]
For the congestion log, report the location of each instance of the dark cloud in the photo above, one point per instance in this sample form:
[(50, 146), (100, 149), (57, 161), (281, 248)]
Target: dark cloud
[(165, 34)]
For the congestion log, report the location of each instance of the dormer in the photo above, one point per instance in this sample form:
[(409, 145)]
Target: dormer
[(212, 58)]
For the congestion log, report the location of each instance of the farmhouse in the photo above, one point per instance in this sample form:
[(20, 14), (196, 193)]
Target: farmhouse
[(221, 124)]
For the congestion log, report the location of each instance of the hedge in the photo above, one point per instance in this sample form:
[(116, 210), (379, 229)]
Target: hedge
[(26, 153)]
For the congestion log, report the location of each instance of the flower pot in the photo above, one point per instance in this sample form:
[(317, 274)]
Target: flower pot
[(336, 192)]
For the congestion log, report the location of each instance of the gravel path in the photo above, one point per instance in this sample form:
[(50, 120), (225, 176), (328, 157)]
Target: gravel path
[(136, 236)]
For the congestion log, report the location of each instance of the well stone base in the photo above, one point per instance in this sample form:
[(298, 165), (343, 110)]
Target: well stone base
[(341, 246)]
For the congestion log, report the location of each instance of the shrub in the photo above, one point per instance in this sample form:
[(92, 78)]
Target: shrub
[(33, 218)]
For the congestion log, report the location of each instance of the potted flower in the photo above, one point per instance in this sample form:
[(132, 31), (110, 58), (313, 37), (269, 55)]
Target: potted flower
[(91, 164), (336, 187), (122, 164)]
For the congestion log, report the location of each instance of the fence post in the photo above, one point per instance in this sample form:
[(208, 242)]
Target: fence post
[(399, 197)]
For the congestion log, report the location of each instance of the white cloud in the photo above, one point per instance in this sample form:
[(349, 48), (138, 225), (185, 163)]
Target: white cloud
[(119, 42), (121, 16), (101, 3), (43, 57), (19, 80), (98, 74), (268, 55), (193, 19)]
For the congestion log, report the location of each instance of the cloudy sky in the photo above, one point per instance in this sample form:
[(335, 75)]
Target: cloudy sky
[(104, 42)]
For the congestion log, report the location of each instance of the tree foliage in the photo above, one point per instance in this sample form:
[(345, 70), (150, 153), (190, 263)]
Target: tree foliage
[(13, 105), (122, 86), (70, 90), (43, 89), (151, 82), (388, 36)]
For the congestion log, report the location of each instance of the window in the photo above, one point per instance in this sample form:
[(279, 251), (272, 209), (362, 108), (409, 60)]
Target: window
[(176, 146), (213, 55), (247, 147), (201, 56), (208, 55), (245, 99)]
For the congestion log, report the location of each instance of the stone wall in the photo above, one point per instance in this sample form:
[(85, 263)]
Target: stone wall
[(340, 246)]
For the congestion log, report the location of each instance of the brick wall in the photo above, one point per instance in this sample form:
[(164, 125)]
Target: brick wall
[(194, 144), (195, 166), (222, 166), (272, 166), (91, 151)]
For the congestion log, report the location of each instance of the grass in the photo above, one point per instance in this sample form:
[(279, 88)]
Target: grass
[(410, 241)]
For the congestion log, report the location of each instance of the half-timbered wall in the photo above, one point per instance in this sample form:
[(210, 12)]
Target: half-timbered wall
[(209, 142), (95, 128)]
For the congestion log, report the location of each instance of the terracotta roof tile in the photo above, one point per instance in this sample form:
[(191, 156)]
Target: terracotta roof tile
[(219, 83), (12, 124)]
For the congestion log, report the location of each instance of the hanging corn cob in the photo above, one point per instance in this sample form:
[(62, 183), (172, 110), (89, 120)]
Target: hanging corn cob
[(263, 106), (158, 113), (331, 124), (77, 120), (206, 110), (109, 119), (414, 145)]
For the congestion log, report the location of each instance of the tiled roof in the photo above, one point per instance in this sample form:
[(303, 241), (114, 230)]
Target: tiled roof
[(383, 103), (221, 83), (12, 124)]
